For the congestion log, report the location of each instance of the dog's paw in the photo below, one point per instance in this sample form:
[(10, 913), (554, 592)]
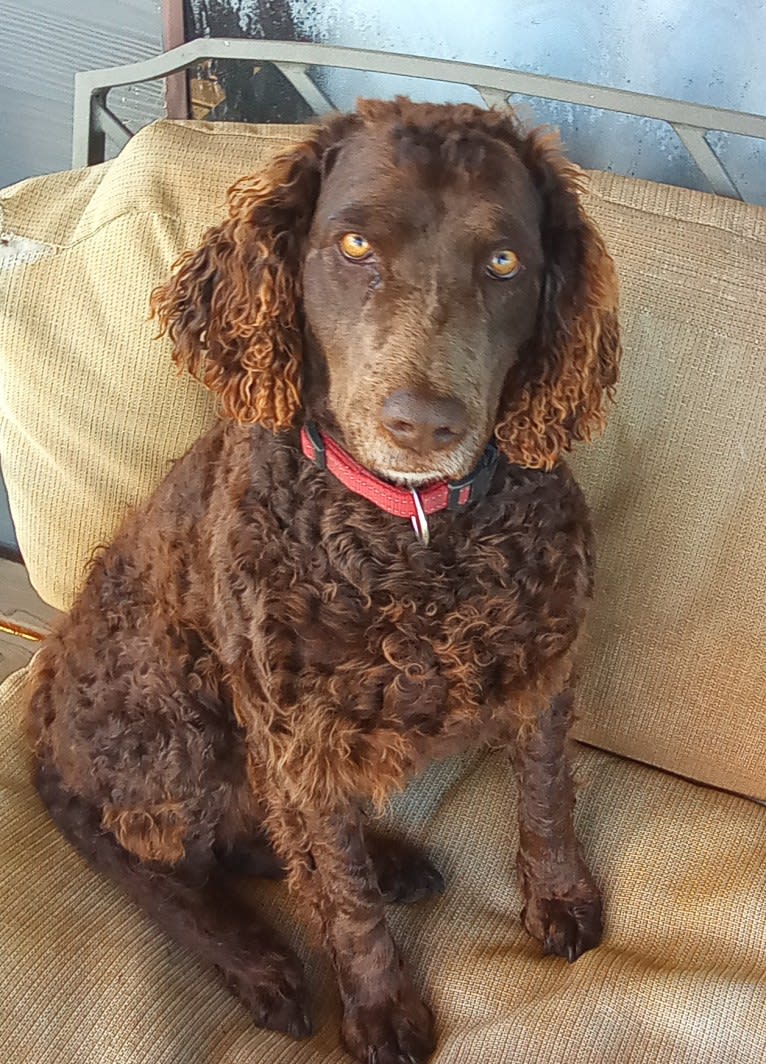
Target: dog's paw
[(404, 874), (566, 927), (401, 1032), (276, 996)]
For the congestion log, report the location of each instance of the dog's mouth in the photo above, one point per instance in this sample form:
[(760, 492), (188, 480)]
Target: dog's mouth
[(397, 465), (406, 479), (418, 471)]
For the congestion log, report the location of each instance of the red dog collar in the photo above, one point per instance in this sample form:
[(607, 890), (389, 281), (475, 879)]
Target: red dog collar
[(400, 502)]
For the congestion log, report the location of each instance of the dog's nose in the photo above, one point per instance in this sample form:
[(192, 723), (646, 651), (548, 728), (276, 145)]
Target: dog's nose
[(423, 423)]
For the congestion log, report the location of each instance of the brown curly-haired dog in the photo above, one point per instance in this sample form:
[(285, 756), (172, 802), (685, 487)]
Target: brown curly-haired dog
[(269, 645)]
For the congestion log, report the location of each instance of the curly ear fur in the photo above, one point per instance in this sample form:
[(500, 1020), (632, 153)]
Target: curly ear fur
[(558, 391), (233, 306)]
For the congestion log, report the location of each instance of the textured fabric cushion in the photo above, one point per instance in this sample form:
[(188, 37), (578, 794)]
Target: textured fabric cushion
[(674, 670), (92, 411), (680, 978), (91, 414)]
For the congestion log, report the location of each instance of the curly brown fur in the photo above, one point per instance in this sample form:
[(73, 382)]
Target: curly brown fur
[(260, 654)]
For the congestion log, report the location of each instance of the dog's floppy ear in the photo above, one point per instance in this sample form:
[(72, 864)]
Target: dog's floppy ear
[(233, 306), (559, 390)]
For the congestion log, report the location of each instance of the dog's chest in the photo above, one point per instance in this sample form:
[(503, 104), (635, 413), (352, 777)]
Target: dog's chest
[(432, 641)]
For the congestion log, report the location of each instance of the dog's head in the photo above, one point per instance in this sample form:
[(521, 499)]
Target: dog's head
[(418, 277)]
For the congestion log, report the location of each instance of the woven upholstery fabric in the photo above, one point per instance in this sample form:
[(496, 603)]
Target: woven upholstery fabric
[(674, 667), (680, 978), (92, 413)]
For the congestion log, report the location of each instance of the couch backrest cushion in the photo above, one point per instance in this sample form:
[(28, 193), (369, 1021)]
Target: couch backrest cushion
[(92, 410), (674, 669), (92, 414)]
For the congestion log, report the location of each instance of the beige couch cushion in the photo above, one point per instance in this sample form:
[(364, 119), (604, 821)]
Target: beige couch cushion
[(680, 978), (92, 411), (91, 415), (674, 671)]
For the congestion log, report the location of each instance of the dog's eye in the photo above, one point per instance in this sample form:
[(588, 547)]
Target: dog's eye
[(355, 247), (504, 264)]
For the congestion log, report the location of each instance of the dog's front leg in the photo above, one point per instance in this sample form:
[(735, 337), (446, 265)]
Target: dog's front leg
[(562, 902), (384, 1021)]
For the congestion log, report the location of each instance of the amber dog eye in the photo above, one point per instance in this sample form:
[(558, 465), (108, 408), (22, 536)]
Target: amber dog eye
[(504, 264), (355, 247)]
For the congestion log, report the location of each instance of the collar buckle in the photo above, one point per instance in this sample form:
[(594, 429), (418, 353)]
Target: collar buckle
[(477, 484), (316, 441)]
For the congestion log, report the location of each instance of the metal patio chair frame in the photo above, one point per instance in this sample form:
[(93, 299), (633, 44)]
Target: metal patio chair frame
[(691, 122)]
